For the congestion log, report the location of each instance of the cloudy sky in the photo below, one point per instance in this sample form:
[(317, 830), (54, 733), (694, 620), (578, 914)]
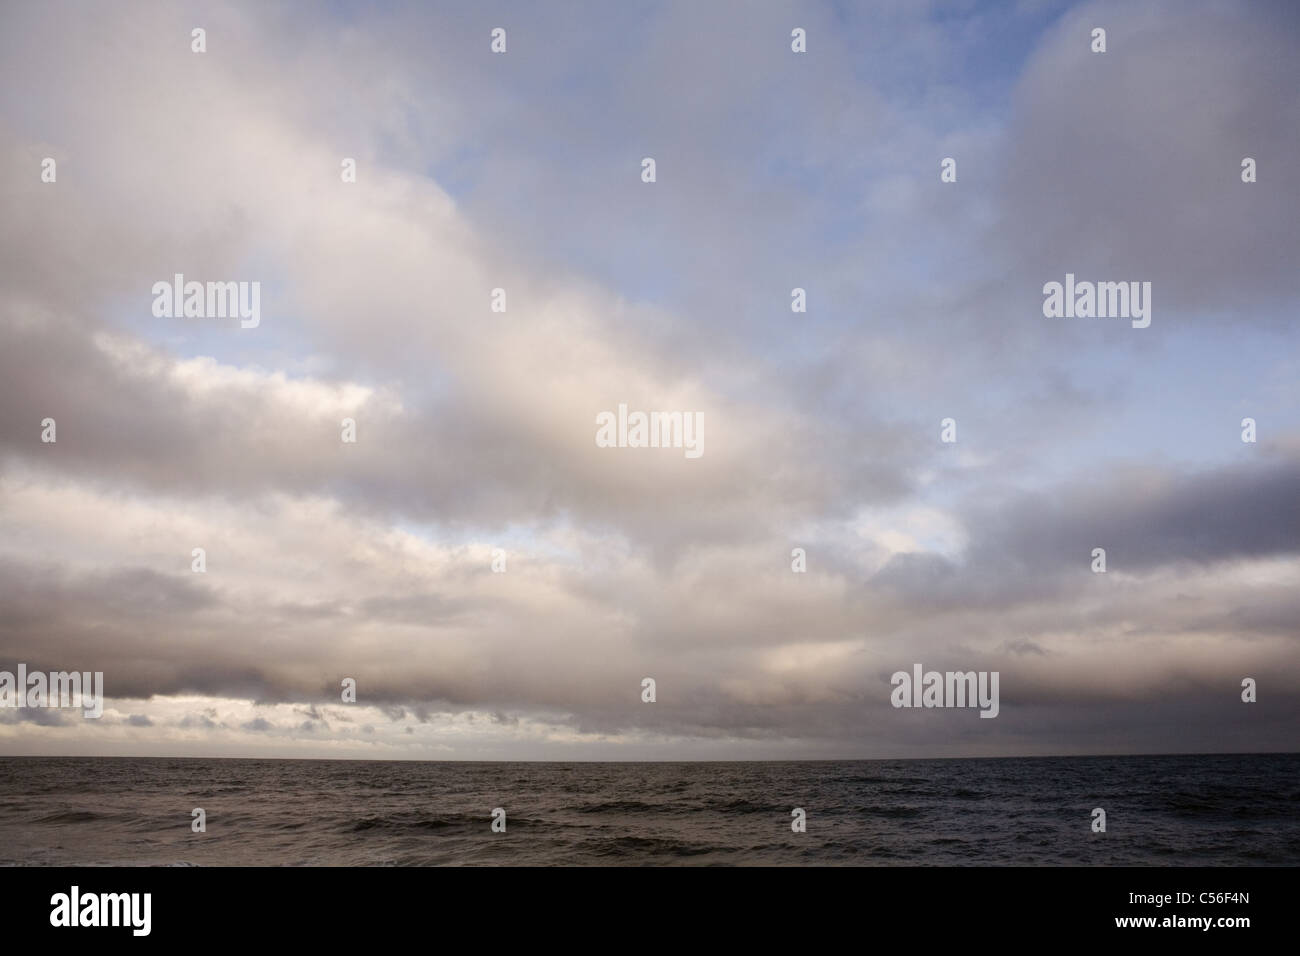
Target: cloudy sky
[(775, 170)]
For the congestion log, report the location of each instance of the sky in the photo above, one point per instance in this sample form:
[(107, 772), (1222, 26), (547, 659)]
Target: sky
[(774, 170)]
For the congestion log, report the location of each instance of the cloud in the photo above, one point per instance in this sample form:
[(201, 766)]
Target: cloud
[(373, 560), (1111, 183)]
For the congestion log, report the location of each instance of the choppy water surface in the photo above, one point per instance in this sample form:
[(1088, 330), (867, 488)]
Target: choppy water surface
[(1177, 810)]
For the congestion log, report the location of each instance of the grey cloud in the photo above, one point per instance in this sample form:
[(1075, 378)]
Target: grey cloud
[(1127, 165), (775, 172), (1146, 517)]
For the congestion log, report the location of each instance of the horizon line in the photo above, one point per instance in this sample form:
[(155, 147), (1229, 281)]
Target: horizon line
[(1223, 753)]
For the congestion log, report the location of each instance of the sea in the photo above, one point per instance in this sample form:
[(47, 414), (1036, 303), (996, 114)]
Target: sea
[(1203, 810)]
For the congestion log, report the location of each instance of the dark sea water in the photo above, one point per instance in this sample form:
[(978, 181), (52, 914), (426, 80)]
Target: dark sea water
[(1177, 810)]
